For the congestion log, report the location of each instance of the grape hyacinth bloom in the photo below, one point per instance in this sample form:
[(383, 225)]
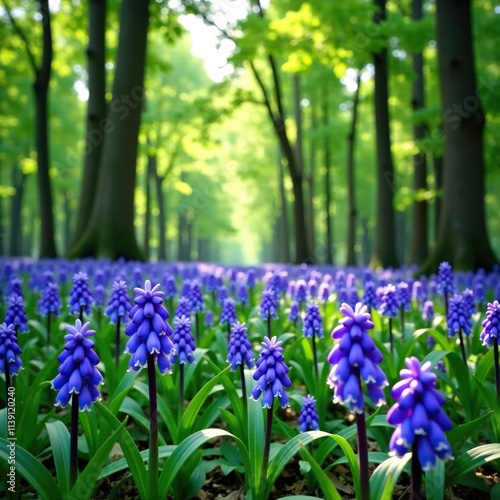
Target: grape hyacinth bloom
[(78, 380), (312, 328), (445, 282), (10, 362), (150, 343), (403, 294), (389, 307), (16, 313), (196, 304), (420, 422), (268, 307), (308, 418), (370, 295), (300, 291), (418, 292), (459, 320), (118, 309), (355, 359), (272, 379), (208, 319), (81, 299), (221, 295), (489, 337), (294, 314), (228, 315), (49, 304), (428, 312), (183, 307), (240, 353), (242, 296), (15, 286)]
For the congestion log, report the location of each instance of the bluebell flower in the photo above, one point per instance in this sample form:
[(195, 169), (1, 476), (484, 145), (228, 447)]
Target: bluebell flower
[(195, 297), (251, 279), (428, 311), (169, 286), (268, 305), (9, 350), (370, 295), (211, 283), (419, 292), (313, 324), (183, 307), (308, 418), (294, 314), (389, 306), (15, 287), (208, 319), (149, 330), (137, 276), (312, 288), (119, 303), (221, 295), (271, 374), (342, 295), (355, 358), (324, 292), (228, 314), (420, 422), (99, 295), (352, 296), (78, 371), (16, 313), (242, 296), (185, 289), (50, 302), (403, 295), (80, 294), (491, 324), (300, 291), (445, 278), (239, 347), (183, 341), (458, 316), (469, 302)]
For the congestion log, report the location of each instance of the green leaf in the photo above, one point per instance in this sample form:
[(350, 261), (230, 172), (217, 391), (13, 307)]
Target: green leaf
[(183, 453), (59, 442), (255, 443), (132, 456), (385, 476), (470, 460), (33, 471), (434, 482), (90, 429), (86, 481), (458, 435)]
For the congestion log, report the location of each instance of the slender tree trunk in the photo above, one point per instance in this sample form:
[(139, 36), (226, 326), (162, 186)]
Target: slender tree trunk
[(41, 89), (328, 185), (351, 188), (162, 216), (310, 178), (463, 237), (385, 241), (110, 232), (97, 123), (438, 185), (16, 205), (150, 172), (67, 220), (419, 227), (283, 232)]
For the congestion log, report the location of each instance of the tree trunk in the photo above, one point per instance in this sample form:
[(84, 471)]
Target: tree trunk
[(385, 247), (97, 124), (162, 216), (419, 226), (110, 232), (67, 221), (310, 181), (329, 257), (351, 188), (16, 205), (41, 89), (150, 172), (463, 238), (438, 185), (282, 226)]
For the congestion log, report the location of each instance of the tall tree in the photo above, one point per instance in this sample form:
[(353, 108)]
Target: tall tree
[(419, 226), (385, 241), (328, 184), (110, 230), (463, 237), (42, 74)]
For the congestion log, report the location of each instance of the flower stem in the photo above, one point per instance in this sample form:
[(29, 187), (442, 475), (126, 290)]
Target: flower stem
[(446, 304), (117, 342), (267, 442), (81, 314), (197, 323), (228, 331), (7, 380), (391, 342), (416, 475), (153, 429), (497, 366), (243, 386), (48, 328), (269, 326), (73, 448), (462, 346), (315, 356), (402, 318), (181, 391), (364, 473)]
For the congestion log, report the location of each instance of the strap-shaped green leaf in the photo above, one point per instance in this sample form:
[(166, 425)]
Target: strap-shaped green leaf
[(59, 442), (386, 476)]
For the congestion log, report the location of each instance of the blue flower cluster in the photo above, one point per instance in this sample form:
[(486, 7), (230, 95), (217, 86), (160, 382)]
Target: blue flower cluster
[(80, 295), (119, 303), (183, 341), (16, 313), (308, 418), (239, 347), (491, 324), (9, 350), (313, 325)]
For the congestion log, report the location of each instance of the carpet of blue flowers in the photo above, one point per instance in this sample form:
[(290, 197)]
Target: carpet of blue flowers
[(123, 379)]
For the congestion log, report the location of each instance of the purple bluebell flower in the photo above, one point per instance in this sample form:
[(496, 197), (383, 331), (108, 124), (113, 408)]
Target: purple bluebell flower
[(403, 295), (479, 292), (419, 292), (50, 302), (300, 291), (208, 319), (445, 278), (15, 286), (99, 295), (10, 362), (355, 358), (268, 305), (183, 307), (137, 276), (183, 341), (342, 295), (469, 301), (169, 286), (196, 297), (251, 279), (16, 313), (80, 295), (458, 316), (271, 374), (388, 306), (221, 295), (185, 288), (242, 296), (228, 315), (352, 296), (312, 289), (211, 283), (340, 279), (420, 422), (78, 371), (149, 330), (313, 324), (370, 295), (491, 324), (308, 418), (428, 311), (294, 314), (119, 303), (324, 292), (239, 347)]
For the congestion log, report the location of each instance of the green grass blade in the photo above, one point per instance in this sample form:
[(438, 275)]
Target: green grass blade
[(434, 482), (59, 442), (385, 476), (33, 471), (255, 444)]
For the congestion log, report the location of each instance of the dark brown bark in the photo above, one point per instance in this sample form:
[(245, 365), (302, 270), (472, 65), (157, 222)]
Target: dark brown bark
[(283, 250), (385, 242), (162, 216), (463, 237), (150, 172), (351, 188), (329, 254), (68, 213), (438, 185), (110, 232), (419, 225), (16, 204), (97, 124), (185, 234), (311, 167)]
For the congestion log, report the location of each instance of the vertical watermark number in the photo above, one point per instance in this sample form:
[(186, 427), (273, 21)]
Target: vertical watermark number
[(11, 438)]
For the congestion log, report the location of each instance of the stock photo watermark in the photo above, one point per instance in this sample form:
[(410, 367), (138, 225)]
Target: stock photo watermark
[(11, 438)]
